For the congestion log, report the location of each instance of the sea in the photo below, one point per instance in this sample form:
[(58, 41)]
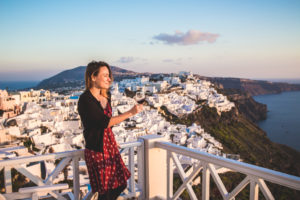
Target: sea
[(283, 118), (17, 85)]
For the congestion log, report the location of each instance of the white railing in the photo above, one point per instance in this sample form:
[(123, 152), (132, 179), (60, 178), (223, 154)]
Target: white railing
[(56, 190), (19, 164), (152, 173), (208, 163), (136, 168)]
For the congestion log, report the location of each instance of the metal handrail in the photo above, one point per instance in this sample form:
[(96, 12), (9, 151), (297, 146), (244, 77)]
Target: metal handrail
[(80, 152), (26, 159)]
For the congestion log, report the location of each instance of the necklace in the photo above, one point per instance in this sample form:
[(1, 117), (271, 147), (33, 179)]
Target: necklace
[(103, 101)]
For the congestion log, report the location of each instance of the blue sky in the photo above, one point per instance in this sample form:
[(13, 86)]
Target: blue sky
[(247, 39)]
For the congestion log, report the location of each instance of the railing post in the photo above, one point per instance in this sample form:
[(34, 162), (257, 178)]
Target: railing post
[(141, 169), (205, 181), (7, 179), (170, 175), (155, 168), (131, 168), (254, 189), (76, 186)]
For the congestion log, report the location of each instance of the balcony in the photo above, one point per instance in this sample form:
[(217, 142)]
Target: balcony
[(152, 163)]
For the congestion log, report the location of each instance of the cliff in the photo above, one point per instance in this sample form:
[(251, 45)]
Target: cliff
[(245, 104), (239, 134)]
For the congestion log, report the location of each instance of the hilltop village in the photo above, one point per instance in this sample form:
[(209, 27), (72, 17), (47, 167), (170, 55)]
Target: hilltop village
[(41, 121)]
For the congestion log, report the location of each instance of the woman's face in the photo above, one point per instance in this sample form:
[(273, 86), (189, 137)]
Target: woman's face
[(102, 80)]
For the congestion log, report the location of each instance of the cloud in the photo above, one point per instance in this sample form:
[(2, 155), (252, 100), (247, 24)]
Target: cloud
[(130, 59), (168, 60), (177, 61), (126, 60), (188, 38)]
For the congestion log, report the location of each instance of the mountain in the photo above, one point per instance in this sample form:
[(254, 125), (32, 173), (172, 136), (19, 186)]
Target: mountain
[(75, 77), (67, 77)]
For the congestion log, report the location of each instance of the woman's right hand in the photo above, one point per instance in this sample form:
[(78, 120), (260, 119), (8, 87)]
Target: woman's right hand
[(136, 109)]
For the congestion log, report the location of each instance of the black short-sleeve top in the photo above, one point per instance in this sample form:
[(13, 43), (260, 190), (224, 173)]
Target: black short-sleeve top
[(93, 119)]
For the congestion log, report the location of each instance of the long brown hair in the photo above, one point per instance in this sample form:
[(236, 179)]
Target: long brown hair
[(92, 69)]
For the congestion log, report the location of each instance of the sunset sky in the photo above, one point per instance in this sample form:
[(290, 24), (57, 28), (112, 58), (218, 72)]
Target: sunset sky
[(246, 39)]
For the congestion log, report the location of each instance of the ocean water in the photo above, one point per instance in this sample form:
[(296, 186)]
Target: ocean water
[(17, 85), (283, 118)]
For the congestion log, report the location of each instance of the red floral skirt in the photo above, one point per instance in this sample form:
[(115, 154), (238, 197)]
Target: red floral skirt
[(106, 170)]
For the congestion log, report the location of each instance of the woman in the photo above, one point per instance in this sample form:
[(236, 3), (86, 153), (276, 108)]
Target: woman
[(107, 172)]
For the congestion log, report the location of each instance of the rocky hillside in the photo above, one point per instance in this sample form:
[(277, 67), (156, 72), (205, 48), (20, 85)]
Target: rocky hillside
[(239, 134), (245, 103)]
